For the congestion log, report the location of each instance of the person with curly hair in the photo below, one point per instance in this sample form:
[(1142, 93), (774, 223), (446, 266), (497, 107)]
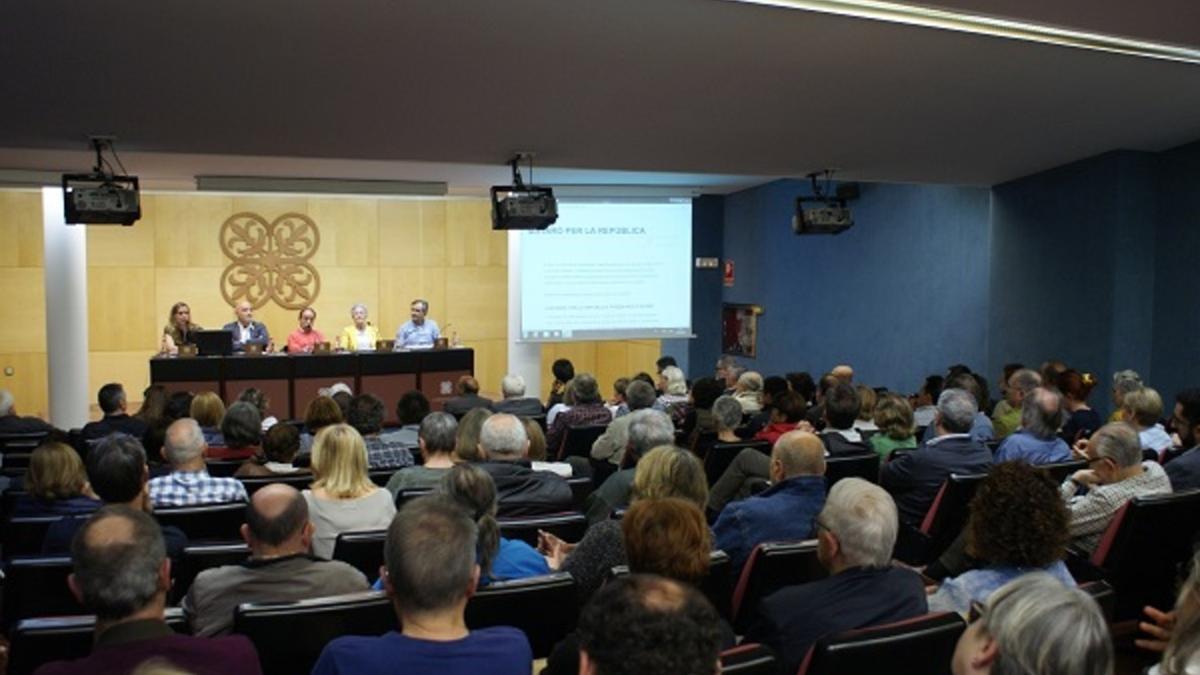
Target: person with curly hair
[(1018, 524)]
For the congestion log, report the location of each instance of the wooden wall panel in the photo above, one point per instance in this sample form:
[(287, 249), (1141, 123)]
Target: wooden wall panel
[(477, 302), (130, 368), (491, 363), (23, 312), (349, 231), (122, 313), (20, 228), (399, 286), (606, 360), (197, 286), (187, 228), (470, 240), (117, 246), (27, 382)]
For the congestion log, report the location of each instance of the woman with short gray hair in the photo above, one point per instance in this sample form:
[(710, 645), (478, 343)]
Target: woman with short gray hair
[(674, 399), (1036, 626), (359, 335)]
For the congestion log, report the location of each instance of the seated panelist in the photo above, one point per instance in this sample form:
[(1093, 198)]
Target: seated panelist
[(306, 337), (418, 332), (179, 329), (360, 335), (247, 331)]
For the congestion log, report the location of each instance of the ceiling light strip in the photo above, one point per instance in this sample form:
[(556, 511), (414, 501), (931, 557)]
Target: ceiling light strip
[(928, 17)]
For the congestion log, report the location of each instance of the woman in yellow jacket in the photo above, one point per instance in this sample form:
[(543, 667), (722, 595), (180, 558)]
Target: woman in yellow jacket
[(360, 335)]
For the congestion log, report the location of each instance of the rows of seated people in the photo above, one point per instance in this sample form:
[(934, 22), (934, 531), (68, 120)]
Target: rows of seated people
[(787, 523)]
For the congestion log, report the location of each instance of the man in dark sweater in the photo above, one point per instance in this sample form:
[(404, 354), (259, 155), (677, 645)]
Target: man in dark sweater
[(520, 490), (112, 403), (855, 534), (123, 575)]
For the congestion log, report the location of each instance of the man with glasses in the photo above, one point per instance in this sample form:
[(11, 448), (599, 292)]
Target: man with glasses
[(1115, 474), (855, 534)]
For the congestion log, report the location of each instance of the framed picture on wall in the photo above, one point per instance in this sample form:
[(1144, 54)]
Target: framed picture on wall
[(739, 330)]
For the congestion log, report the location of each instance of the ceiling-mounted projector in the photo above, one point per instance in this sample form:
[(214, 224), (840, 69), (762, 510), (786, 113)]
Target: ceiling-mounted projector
[(824, 214), (101, 197), (520, 206)]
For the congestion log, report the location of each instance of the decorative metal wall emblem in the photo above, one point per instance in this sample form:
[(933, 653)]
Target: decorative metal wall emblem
[(270, 260)]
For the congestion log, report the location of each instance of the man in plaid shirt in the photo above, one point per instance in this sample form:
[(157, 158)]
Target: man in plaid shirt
[(189, 484)]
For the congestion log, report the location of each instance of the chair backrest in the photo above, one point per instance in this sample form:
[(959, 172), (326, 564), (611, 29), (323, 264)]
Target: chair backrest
[(749, 658), (223, 468), (405, 496), (199, 557), (948, 514), (720, 456), (864, 465), (920, 646), (581, 487), (565, 526), (1146, 548), (24, 536), (37, 586), (38, 641), (381, 477), (770, 567), (289, 636), (23, 442), (545, 608), (211, 522), (17, 461), (1104, 596), (715, 585), (300, 481), (363, 550), (577, 441), (1059, 471)]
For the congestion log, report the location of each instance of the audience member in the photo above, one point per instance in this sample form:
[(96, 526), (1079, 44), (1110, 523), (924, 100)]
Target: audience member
[(1050, 371), (568, 402), (280, 567), (674, 399), (728, 372), (802, 383), (1034, 624), (117, 472), (515, 402), (189, 484), (1123, 382), (699, 421), (588, 410), (280, 445), (610, 446), (258, 398), (1117, 475), (523, 491), (1003, 407), (816, 413), (647, 624), (154, 406), (247, 331), (322, 411), (1081, 420), (411, 409), (208, 410), (179, 405), (748, 392), (241, 431), (663, 362), (914, 478), (1184, 470), (645, 429), (773, 387), (436, 440), (366, 416), (855, 534), (785, 510), (1142, 409), (665, 471), (342, 497), (122, 575), (342, 399), (431, 570), (56, 483), (12, 423), (466, 438), (617, 404), (844, 373), (563, 372), (1037, 441), (925, 403), (866, 408), (787, 409), (537, 444), (1006, 419), (500, 559), (466, 397), (112, 403), (981, 426), (840, 410), (1017, 525), (894, 419)]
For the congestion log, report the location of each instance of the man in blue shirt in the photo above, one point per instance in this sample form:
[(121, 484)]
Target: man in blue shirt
[(787, 509), (430, 571), (1037, 441), (418, 332), (247, 331)]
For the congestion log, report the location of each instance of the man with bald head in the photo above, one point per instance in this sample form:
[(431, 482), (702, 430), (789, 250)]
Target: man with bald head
[(121, 573), (844, 373), (247, 331), (1037, 441), (189, 484), (281, 565), (787, 509)]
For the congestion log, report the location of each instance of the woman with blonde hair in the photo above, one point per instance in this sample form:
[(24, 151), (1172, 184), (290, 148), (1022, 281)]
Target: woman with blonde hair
[(342, 497), (179, 329), (867, 399), (209, 411), (359, 336), (665, 471), (466, 442), (57, 484), (894, 417)]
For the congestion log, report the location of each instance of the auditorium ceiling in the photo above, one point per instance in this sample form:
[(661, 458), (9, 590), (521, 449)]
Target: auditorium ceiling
[(710, 93)]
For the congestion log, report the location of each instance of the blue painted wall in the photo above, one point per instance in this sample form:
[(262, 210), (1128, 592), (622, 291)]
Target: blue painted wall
[(900, 295)]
